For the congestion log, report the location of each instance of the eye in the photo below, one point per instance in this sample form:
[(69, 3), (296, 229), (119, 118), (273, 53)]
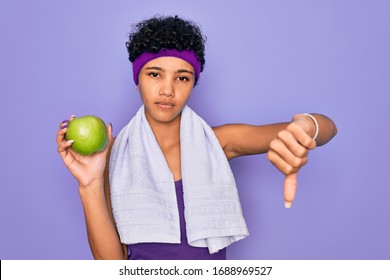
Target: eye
[(153, 74), (183, 79)]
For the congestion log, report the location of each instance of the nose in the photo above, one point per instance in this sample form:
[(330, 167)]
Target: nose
[(167, 88)]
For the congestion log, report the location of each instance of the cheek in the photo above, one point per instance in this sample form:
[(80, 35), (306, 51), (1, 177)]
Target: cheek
[(146, 92), (184, 92), (188, 94)]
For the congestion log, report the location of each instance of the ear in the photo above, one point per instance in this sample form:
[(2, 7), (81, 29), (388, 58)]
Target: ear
[(138, 88)]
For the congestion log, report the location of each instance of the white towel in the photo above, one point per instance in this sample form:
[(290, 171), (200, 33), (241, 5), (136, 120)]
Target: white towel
[(143, 192)]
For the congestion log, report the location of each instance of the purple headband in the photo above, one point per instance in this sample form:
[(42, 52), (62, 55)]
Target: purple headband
[(145, 57)]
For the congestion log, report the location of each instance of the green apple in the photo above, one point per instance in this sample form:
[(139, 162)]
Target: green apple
[(89, 134)]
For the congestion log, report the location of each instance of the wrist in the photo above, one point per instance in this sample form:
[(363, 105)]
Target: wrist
[(96, 185), (308, 123)]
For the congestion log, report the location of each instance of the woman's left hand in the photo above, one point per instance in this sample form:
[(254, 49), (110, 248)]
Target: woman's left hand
[(289, 150)]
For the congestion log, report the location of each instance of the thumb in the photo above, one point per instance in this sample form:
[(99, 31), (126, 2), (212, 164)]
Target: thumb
[(110, 138), (290, 188), (109, 130)]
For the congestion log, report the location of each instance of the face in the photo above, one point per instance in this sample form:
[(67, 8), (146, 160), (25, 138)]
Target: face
[(165, 85)]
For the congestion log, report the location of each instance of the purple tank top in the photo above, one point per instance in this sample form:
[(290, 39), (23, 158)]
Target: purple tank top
[(167, 251)]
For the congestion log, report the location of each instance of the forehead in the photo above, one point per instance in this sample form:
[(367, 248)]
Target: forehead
[(169, 63)]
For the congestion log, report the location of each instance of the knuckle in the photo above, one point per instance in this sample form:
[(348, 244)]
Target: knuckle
[(270, 155), (307, 142), (282, 133), (288, 169), (301, 152), (297, 162), (292, 126), (274, 144)]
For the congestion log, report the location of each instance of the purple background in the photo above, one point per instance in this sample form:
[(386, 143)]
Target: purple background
[(266, 61)]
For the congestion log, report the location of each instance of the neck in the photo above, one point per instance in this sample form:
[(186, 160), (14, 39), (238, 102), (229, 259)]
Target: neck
[(167, 134)]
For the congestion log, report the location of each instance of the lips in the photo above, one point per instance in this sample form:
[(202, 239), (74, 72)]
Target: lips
[(165, 105)]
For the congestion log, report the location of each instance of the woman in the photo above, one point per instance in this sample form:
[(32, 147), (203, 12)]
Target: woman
[(167, 149)]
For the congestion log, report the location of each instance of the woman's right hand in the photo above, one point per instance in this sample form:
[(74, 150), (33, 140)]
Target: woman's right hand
[(86, 169)]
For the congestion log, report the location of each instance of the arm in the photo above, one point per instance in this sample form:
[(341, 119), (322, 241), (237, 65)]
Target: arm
[(102, 235), (92, 175), (287, 144), (241, 139)]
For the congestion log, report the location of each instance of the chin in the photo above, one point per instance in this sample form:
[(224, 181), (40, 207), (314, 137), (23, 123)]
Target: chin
[(164, 117)]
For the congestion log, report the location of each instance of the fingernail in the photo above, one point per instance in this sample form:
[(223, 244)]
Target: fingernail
[(72, 116), (70, 141), (65, 121), (64, 126), (287, 204)]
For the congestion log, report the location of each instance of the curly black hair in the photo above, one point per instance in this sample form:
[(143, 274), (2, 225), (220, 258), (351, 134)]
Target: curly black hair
[(158, 33)]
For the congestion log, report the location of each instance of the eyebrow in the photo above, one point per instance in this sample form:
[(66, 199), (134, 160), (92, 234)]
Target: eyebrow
[(185, 71), (161, 69)]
